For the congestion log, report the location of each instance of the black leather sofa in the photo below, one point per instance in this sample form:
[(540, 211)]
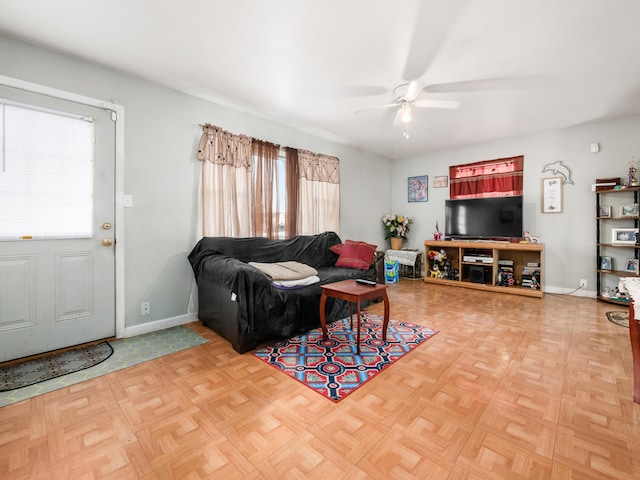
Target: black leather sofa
[(240, 303)]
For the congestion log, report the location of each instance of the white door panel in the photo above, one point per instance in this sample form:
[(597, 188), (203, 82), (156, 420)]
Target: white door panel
[(56, 293)]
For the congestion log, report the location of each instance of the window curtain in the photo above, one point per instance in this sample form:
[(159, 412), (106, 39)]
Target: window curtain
[(267, 207), (292, 196), (319, 193), (225, 181), (489, 178), (241, 195)]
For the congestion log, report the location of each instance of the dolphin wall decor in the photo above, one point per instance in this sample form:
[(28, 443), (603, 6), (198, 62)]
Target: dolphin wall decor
[(557, 168)]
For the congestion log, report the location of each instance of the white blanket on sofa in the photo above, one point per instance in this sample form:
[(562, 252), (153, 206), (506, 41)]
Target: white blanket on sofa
[(285, 270)]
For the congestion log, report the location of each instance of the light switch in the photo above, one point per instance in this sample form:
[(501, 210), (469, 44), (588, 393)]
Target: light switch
[(595, 147), (128, 201)]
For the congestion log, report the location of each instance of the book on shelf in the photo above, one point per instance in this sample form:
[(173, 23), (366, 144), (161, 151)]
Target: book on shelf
[(531, 280), (531, 271)]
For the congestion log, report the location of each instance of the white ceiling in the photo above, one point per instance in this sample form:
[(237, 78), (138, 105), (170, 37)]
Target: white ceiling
[(517, 66)]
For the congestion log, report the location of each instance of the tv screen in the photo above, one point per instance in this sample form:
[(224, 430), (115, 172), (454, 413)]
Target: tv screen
[(484, 218)]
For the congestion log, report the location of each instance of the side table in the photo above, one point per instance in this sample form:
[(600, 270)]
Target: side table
[(409, 260), (354, 292)]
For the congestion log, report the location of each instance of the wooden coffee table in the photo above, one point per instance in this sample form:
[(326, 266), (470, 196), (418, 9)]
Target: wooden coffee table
[(354, 292)]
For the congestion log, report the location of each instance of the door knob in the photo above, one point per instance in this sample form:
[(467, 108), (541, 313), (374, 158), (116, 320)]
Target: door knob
[(107, 242)]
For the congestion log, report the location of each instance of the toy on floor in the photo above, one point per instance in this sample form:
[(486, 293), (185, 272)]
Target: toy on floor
[(391, 271)]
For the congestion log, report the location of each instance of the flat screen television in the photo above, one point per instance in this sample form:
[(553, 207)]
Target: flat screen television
[(483, 218)]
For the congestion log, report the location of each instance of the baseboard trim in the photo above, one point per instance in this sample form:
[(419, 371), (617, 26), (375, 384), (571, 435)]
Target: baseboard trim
[(158, 325)]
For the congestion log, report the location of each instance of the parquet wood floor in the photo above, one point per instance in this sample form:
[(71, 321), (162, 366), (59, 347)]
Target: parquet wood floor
[(511, 388)]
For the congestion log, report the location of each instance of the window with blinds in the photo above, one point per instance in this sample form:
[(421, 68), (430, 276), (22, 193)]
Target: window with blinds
[(46, 173)]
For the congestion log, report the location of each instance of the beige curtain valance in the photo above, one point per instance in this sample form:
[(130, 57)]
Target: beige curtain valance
[(319, 167), (224, 148)]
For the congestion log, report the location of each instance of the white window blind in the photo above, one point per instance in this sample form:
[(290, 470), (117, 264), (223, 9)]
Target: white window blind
[(46, 173)]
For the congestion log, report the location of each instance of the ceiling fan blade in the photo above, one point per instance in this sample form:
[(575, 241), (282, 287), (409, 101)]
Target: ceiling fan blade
[(437, 103), (433, 24), (398, 118), (389, 105), (488, 84), (351, 91), (413, 90)]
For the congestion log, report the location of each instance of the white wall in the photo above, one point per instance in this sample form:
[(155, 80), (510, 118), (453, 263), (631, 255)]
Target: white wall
[(161, 172), (569, 237)]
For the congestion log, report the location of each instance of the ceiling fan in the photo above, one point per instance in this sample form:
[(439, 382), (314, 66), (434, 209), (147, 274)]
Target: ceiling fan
[(432, 24), (406, 98)]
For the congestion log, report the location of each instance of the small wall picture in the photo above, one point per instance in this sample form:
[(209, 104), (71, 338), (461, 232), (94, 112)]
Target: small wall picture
[(605, 211), (624, 236), (606, 263), (418, 188), (632, 265), (552, 195), (629, 210), (441, 182)]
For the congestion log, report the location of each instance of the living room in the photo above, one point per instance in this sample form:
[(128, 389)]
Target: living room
[(162, 130), (158, 175)]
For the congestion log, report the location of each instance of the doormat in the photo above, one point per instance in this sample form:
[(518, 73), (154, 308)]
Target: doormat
[(127, 352), (619, 318), (52, 366), (332, 368)]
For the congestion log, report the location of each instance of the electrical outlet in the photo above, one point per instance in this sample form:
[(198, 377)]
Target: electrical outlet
[(583, 283), (145, 308)]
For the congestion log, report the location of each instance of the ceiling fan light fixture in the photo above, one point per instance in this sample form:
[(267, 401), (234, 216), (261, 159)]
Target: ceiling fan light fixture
[(405, 116)]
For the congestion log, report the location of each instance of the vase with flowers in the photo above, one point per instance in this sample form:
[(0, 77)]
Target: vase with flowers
[(396, 228)]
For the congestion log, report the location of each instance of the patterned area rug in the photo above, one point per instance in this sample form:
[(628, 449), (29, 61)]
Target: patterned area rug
[(333, 368), (126, 353), (619, 318), (52, 366)]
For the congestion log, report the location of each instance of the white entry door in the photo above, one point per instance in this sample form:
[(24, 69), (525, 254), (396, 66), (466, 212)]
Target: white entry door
[(57, 272)]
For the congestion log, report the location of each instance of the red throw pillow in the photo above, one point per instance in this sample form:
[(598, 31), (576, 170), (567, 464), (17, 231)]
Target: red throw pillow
[(337, 248), (356, 255)]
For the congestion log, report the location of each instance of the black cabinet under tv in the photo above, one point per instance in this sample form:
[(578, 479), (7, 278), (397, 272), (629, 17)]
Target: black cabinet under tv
[(480, 263)]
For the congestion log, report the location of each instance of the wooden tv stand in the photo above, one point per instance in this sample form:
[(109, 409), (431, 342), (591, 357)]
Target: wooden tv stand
[(480, 269)]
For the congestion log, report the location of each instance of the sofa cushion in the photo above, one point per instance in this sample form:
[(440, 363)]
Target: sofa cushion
[(356, 255)]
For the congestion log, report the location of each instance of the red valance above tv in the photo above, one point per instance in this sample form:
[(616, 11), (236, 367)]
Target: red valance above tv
[(502, 177)]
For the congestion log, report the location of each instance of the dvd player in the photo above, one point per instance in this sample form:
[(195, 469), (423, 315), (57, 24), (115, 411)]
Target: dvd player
[(477, 259)]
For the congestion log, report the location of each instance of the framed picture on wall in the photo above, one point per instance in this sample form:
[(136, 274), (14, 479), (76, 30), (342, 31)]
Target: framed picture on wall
[(631, 265), (552, 195), (418, 188), (441, 182)]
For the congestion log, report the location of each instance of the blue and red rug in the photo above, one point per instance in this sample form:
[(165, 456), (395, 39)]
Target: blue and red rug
[(333, 368)]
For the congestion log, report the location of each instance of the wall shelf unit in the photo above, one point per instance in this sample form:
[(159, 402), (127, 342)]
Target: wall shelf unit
[(480, 265), (612, 216)]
